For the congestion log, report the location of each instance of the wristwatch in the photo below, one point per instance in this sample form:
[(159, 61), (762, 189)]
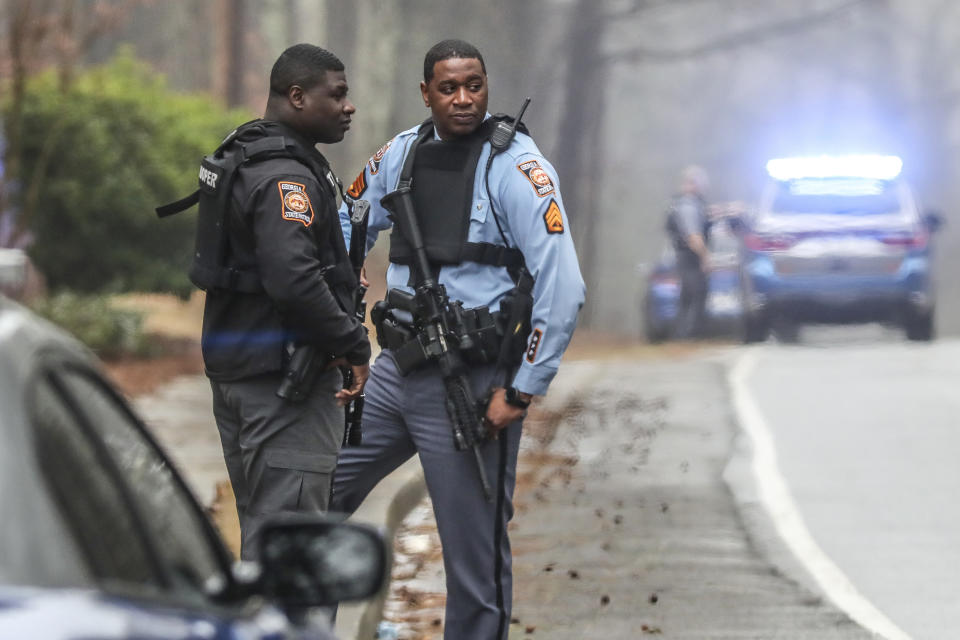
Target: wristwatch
[(513, 398)]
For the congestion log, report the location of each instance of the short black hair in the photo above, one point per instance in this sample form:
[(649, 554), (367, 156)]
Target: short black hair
[(302, 64), (447, 49)]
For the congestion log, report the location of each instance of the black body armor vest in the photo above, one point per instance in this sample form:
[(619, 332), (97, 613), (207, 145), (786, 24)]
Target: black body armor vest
[(443, 175), (253, 142), (676, 235)]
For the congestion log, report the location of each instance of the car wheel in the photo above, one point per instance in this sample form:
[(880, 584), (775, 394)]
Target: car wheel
[(787, 331), (655, 334), (756, 328), (919, 326)]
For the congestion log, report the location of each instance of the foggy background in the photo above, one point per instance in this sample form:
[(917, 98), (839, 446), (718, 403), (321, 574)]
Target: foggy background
[(625, 93)]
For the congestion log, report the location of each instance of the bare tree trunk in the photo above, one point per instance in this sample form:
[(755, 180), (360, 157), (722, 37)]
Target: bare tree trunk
[(340, 37), (578, 134), (235, 59), (22, 47), (294, 16), (341, 30)]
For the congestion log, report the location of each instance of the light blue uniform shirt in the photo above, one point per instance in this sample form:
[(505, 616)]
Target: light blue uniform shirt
[(523, 189)]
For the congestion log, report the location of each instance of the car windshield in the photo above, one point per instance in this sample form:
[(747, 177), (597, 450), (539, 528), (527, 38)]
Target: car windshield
[(847, 196)]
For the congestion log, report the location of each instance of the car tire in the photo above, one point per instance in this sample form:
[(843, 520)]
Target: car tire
[(654, 334), (919, 326), (787, 331), (756, 328)]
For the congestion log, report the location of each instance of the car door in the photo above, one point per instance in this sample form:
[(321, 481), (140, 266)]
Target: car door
[(146, 540)]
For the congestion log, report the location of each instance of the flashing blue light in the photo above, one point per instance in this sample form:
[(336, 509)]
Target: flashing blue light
[(861, 166), (836, 187)]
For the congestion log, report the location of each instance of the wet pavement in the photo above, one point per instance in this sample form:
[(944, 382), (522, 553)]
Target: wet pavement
[(624, 528), (180, 415)]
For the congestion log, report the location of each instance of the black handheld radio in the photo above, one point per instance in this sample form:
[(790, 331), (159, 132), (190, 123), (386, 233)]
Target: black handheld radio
[(504, 131)]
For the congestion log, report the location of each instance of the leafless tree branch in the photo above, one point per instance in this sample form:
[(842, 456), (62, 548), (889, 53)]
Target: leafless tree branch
[(736, 40), (637, 7)]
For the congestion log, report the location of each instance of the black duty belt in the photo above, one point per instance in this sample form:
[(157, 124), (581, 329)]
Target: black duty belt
[(480, 344)]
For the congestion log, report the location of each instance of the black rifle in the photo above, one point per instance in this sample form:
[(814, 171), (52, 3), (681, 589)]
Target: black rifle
[(353, 412), (441, 334)]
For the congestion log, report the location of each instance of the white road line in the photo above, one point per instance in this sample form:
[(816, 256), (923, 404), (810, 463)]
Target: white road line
[(776, 499)]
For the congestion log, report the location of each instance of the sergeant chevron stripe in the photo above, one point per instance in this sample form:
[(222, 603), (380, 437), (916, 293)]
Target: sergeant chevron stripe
[(553, 218)]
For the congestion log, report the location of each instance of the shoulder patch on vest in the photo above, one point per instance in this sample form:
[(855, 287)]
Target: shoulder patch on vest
[(537, 176), (553, 218), (535, 339), (359, 185), (295, 203), (374, 162)]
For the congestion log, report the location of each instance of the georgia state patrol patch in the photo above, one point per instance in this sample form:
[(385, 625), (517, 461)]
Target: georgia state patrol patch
[(537, 176), (296, 203), (553, 218), (359, 185), (377, 158)]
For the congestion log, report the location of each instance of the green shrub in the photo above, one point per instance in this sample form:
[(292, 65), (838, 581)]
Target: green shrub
[(97, 159), (107, 331)]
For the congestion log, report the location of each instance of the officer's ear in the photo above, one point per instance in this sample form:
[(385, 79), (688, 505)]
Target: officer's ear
[(424, 92), (295, 94)]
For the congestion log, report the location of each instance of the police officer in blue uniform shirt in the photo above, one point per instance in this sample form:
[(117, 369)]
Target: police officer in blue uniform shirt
[(516, 208), (689, 227)]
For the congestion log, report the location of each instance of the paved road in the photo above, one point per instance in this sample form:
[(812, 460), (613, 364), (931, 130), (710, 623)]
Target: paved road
[(867, 437), (625, 526)]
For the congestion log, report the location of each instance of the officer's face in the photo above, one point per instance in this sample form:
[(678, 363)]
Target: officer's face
[(457, 96), (325, 109)]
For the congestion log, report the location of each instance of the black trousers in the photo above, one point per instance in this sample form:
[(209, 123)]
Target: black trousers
[(280, 455), (693, 296)]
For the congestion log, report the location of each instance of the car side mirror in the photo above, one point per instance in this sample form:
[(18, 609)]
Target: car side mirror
[(933, 220), (312, 561)]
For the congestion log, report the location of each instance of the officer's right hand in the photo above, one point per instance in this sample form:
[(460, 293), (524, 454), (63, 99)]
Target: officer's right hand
[(360, 374), (705, 263)]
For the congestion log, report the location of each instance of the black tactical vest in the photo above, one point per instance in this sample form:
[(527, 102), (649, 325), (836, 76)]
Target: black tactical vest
[(673, 227), (253, 142), (442, 188)]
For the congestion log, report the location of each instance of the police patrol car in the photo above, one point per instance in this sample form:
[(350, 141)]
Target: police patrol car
[(838, 239)]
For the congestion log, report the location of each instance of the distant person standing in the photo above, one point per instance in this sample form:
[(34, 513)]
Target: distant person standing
[(689, 228)]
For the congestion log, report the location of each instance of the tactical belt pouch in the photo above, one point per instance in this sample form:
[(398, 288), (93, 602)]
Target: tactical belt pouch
[(481, 327), (514, 325), (396, 331), (399, 336)]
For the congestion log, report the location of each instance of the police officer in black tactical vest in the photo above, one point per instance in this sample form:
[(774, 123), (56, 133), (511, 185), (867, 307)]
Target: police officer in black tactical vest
[(271, 257), (484, 288)]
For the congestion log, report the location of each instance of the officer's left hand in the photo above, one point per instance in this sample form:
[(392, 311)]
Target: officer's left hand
[(500, 414), (360, 374)]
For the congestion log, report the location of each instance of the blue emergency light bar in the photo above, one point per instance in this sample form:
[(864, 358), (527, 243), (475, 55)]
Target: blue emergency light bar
[(859, 166)]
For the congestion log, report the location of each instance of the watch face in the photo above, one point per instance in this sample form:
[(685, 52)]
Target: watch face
[(513, 397)]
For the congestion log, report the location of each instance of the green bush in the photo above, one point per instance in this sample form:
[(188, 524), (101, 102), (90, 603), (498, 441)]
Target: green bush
[(97, 159), (107, 331)]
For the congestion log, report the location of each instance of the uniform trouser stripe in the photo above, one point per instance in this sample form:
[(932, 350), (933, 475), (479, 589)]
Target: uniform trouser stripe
[(498, 533)]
